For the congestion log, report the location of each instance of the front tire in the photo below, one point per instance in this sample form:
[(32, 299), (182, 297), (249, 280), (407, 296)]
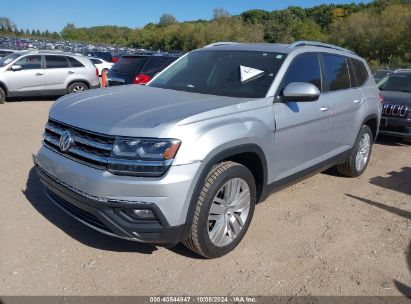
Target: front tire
[(77, 87), (2, 96), (360, 155), (223, 211)]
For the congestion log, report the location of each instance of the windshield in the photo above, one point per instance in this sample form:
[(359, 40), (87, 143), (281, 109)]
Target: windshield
[(396, 82), (9, 58), (246, 74)]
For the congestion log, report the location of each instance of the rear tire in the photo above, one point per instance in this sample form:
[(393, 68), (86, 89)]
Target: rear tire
[(223, 211), (2, 96), (76, 87), (360, 155)]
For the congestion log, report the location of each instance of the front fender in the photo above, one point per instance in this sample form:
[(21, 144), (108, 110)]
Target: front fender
[(202, 140)]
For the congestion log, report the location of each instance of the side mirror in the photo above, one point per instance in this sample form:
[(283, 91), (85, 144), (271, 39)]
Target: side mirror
[(300, 91), (16, 68)]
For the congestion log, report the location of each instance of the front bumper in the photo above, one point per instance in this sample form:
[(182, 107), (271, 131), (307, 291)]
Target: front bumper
[(395, 126), (101, 200)]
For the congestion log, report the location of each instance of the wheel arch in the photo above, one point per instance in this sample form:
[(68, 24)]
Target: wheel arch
[(372, 122), (249, 155), (4, 87), (78, 80)]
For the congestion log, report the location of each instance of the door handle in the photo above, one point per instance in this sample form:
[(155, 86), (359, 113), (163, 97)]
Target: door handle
[(38, 74), (323, 109), (356, 101), (70, 72)]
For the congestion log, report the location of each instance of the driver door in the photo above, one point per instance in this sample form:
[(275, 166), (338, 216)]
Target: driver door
[(30, 79), (302, 128)]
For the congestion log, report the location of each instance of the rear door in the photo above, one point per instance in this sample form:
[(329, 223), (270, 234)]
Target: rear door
[(29, 79), (56, 73), (302, 128), (346, 99)]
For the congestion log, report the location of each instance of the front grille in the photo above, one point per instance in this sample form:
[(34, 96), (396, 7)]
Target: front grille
[(87, 147), (77, 212), (394, 110)]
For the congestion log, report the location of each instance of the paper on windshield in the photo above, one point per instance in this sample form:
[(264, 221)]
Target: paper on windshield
[(248, 73)]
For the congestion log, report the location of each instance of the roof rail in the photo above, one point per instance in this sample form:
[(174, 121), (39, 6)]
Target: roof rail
[(220, 43), (319, 44)]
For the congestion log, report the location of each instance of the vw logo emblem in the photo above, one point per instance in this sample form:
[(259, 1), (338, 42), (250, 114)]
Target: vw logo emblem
[(66, 140)]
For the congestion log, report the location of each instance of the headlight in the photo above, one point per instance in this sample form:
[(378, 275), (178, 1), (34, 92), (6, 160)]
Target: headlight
[(142, 157)]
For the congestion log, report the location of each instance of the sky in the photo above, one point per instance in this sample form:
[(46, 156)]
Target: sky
[(53, 15)]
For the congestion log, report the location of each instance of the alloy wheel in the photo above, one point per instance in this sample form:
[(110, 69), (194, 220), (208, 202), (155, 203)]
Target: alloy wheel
[(363, 152), (229, 212)]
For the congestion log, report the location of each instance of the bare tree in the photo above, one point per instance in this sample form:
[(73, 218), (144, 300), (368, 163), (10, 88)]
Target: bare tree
[(220, 13), (167, 19)]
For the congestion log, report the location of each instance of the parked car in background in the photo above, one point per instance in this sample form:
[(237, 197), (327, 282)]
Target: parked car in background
[(187, 157), (101, 65), (138, 69), (402, 70), (380, 74), (4, 52), (396, 113), (102, 55), (33, 73)]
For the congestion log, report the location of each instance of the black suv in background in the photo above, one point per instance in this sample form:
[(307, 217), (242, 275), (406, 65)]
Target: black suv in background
[(138, 69), (396, 113)]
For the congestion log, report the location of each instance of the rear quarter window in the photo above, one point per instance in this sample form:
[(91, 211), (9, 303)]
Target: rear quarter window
[(74, 62), (360, 71)]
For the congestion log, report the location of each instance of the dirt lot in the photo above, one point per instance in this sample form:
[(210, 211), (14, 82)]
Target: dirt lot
[(328, 235)]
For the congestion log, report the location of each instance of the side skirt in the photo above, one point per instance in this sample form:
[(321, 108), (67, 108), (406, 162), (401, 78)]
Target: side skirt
[(297, 177)]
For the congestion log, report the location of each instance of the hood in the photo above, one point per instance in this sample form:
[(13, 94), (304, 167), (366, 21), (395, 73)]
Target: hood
[(133, 110), (397, 98)]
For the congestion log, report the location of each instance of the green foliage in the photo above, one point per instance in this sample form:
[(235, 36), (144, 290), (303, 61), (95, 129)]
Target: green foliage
[(376, 35), (379, 30)]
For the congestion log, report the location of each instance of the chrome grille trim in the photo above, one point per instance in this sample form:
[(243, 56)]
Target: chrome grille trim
[(89, 148), (394, 110), (83, 140)]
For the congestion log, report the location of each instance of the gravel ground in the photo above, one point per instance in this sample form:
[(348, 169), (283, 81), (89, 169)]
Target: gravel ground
[(327, 235)]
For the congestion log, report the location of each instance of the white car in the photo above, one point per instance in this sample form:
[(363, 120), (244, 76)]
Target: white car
[(101, 64)]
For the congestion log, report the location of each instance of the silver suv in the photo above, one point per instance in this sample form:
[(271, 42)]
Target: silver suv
[(33, 73), (187, 157)]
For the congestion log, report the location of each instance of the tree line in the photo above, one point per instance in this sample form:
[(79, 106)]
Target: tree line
[(8, 28), (379, 30)]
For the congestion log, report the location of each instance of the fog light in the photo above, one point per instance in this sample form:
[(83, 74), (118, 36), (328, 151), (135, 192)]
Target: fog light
[(141, 214)]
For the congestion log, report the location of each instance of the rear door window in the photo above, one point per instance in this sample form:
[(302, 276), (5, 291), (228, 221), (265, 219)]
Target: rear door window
[(337, 76), (30, 62), (304, 68), (129, 65), (56, 62)]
